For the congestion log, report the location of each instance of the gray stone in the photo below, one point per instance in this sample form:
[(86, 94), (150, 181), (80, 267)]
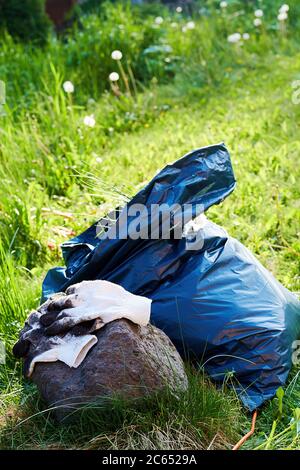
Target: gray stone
[(129, 360)]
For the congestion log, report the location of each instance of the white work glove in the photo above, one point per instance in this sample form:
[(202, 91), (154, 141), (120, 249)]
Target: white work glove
[(100, 301), (33, 346)]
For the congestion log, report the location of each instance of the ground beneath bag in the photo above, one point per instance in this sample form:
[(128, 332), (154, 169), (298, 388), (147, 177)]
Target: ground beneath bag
[(218, 304)]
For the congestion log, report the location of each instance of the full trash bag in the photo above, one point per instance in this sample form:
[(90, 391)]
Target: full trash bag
[(217, 303)]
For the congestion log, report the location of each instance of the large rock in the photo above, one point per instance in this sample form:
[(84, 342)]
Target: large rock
[(128, 360)]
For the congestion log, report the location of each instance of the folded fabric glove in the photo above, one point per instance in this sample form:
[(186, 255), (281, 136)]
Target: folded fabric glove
[(70, 349), (33, 331), (60, 329), (94, 300), (35, 346)]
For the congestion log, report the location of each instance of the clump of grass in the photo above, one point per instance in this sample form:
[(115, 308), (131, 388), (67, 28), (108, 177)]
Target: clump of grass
[(278, 424), (195, 419)]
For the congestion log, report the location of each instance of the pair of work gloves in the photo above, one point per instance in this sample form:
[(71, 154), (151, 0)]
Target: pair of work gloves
[(84, 308)]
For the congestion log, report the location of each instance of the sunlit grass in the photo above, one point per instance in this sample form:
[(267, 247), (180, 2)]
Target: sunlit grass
[(59, 174)]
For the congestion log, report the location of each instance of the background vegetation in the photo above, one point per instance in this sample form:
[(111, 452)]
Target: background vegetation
[(182, 84)]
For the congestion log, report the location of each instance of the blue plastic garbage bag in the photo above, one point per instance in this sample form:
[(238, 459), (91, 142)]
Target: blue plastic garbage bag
[(217, 303)]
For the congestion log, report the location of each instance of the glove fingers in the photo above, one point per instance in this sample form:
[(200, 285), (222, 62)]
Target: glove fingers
[(26, 365), (73, 289), (60, 326), (44, 307), (85, 287), (33, 318), (67, 301), (21, 348), (49, 317), (83, 328)]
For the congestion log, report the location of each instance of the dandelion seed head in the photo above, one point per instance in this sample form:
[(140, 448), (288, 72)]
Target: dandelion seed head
[(68, 87), (159, 20), (257, 22), (259, 13), (190, 25), (223, 5), (234, 38), (114, 76), (89, 121), (284, 8), (116, 55), (283, 16)]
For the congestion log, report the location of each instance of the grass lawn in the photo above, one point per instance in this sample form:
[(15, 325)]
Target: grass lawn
[(57, 176)]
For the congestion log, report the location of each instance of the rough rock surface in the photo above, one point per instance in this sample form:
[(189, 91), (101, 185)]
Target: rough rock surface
[(128, 360)]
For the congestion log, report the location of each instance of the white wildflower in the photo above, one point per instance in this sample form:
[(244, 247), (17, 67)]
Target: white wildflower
[(284, 8), (234, 38), (223, 5), (179, 9), (116, 55), (246, 36), (283, 16), (257, 22), (190, 25), (259, 13), (114, 76), (68, 87), (159, 20), (89, 121)]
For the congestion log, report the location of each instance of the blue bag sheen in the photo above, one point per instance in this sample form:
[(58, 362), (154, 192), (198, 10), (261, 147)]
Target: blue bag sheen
[(218, 304)]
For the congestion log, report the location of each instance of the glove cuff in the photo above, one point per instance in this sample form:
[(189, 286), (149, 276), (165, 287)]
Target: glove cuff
[(138, 309)]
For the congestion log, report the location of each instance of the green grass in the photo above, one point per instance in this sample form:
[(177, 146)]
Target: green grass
[(57, 176), (196, 419)]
